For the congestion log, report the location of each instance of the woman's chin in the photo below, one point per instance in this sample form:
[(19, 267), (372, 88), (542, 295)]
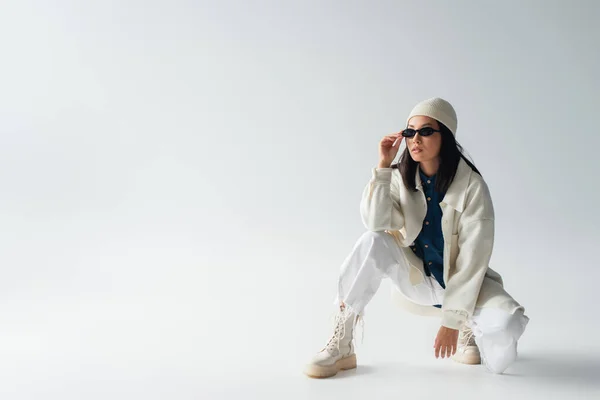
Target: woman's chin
[(416, 157), (420, 157)]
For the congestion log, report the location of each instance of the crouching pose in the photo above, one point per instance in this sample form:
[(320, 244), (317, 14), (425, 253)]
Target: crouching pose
[(430, 222)]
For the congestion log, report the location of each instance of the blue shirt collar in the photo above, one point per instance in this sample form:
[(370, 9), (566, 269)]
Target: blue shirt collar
[(455, 196)]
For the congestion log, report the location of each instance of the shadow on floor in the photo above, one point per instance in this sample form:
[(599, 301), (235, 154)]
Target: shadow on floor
[(575, 369), (361, 370), (547, 369)]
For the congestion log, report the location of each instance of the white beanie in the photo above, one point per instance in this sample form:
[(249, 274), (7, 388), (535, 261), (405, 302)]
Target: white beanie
[(438, 109)]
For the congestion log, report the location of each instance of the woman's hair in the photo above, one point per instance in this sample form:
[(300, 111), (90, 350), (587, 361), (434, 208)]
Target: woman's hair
[(450, 154)]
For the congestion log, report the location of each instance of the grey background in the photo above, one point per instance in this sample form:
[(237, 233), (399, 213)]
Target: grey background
[(181, 179)]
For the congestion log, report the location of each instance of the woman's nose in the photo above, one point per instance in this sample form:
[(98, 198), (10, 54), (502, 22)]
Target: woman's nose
[(417, 138)]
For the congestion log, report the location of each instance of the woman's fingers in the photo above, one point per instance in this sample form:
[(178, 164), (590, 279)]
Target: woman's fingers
[(444, 351), (389, 139), (392, 137), (444, 347)]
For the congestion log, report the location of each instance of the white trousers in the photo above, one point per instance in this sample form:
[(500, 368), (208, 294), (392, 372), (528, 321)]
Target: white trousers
[(376, 255)]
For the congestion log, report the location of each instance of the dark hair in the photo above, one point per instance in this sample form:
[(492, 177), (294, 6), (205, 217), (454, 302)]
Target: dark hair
[(450, 154)]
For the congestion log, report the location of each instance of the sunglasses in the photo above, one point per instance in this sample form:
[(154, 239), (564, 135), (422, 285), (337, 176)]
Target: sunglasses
[(427, 131)]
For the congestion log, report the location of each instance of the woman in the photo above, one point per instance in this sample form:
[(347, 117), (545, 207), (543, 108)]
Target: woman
[(430, 222)]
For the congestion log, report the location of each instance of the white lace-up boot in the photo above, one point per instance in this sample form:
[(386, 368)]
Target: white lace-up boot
[(467, 351), (338, 354)]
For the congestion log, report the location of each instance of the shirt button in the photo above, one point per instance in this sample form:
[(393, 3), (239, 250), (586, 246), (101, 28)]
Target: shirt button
[(430, 263), (429, 199), (426, 222), (428, 181), (426, 246)]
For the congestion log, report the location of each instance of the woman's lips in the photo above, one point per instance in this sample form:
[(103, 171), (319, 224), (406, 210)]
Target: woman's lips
[(417, 150)]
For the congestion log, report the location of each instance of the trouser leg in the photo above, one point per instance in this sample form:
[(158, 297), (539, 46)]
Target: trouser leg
[(497, 333), (375, 256)]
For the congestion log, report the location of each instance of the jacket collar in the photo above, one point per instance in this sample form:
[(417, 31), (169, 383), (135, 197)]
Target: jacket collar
[(455, 196)]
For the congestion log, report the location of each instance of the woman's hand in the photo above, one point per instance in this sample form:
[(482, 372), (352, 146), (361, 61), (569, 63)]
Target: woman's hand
[(387, 149), (445, 342)]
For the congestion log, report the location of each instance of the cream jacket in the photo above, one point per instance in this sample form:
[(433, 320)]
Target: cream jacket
[(468, 230)]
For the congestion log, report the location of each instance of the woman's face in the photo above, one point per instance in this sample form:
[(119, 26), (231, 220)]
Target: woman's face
[(424, 148)]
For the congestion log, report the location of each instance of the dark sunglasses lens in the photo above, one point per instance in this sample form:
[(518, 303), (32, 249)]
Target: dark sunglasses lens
[(408, 133), (426, 131)]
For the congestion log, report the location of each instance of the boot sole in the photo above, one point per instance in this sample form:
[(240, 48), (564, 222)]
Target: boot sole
[(470, 360), (319, 371)]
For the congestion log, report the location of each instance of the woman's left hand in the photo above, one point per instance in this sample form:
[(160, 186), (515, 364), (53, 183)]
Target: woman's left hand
[(445, 342)]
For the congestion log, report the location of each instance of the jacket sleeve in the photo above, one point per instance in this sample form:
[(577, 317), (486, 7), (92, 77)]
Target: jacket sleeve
[(475, 244), (380, 205)]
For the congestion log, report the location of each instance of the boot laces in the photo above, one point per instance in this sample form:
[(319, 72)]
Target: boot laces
[(339, 331), (466, 338)]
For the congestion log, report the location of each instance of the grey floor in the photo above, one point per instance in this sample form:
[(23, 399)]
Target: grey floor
[(157, 347)]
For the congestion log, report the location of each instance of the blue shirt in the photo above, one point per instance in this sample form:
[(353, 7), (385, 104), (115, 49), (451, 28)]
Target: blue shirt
[(429, 245)]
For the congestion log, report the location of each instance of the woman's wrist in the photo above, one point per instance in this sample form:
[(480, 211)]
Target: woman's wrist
[(383, 164)]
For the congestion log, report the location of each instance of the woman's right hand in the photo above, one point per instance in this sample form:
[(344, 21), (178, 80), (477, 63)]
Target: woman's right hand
[(387, 149)]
